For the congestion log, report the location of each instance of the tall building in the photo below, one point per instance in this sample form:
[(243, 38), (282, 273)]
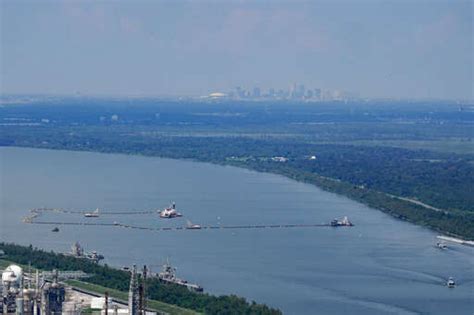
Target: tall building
[(256, 92), (293, 91), (317, 94), (240, 92), (300, 92), (282, 94), (271, 92)]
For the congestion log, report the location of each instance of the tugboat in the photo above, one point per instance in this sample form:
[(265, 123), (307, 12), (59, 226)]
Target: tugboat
[(344, 222), (170, 212), (56, 229), (168, 275), (450, 283)]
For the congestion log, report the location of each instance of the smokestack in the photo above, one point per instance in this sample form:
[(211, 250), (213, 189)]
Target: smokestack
[(132, 293), (106, 303), (19, 300), (36, 294), (19, 306), (140, 299), (145, 272)]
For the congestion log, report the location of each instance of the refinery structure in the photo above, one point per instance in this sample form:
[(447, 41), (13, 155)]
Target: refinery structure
[(27, 293), (38, 293)]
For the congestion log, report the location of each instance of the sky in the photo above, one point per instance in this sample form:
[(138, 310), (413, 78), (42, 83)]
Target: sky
[(375, 49)]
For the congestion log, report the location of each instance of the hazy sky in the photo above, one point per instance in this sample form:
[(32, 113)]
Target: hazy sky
[(374, 48)]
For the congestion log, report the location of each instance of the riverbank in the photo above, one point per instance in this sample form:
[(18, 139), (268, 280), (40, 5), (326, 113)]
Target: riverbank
[(168, 298), (397, 207)]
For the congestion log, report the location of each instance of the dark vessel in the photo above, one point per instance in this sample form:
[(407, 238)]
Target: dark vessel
[(168, 275), (78, 252)]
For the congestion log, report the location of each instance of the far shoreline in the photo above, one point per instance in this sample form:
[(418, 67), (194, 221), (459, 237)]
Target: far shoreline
[(326, 184)]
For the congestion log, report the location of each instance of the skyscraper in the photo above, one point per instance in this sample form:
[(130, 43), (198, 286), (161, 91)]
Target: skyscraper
[(301, 90), (256, 92), (317, 94), (271, 92), (293, 90)]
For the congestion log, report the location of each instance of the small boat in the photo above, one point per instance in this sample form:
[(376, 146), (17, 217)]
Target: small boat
[(451, 283), (56, 229), (192, 226), (94, 214), (441, 245), (344, 222)]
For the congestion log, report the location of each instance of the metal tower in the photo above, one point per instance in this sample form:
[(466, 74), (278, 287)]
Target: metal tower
[(133, 293)]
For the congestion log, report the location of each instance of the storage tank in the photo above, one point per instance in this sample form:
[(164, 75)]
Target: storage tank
[(12, 275)]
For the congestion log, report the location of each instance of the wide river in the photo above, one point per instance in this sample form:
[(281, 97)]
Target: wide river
[(379, 266)]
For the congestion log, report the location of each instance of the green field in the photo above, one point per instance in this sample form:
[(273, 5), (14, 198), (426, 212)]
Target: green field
[(153, 304), (458, 146)]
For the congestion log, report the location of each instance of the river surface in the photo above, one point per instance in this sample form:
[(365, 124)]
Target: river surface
[(379, 266)]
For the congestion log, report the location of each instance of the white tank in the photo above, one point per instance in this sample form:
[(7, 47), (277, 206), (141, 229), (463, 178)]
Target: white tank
[(12, 274)]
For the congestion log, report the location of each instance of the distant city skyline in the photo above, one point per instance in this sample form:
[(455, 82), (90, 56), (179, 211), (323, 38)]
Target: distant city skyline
[(294, 91), (373, 49)]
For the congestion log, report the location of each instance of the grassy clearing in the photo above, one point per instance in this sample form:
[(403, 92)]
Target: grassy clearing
[(4, 263), (458, 146), (156, 305)]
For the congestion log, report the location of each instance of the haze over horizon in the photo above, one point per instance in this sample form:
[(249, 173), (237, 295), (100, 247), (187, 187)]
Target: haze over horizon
[(386, 49)]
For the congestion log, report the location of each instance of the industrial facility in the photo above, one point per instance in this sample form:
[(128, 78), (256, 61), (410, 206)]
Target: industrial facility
[(38, 293), (22, 295)]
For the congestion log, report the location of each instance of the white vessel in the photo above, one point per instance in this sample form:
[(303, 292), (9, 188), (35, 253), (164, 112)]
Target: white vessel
[(170, 212), (94, 214), (451, 283), (344, 222), (192, 226)]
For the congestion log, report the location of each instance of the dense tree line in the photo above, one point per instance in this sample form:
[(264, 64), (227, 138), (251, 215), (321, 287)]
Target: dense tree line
[(119, 279)]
